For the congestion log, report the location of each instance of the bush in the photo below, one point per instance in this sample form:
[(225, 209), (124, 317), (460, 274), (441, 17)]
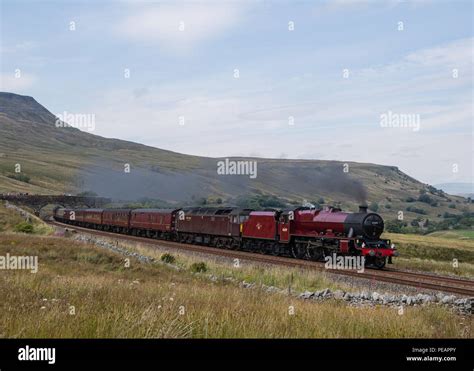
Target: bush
[(416, 210), (427, 200), (24, 227), (410, 199), (452, 206), (374, 206), (259, 201), (388, 206), (168, 258), (200, 267), (394, 226), (20, 177)]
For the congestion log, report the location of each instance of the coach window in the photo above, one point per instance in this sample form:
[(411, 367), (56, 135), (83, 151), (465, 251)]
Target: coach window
[(243, 218)]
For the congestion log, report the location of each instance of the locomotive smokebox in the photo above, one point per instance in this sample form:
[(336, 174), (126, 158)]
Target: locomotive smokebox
[(363, 209)]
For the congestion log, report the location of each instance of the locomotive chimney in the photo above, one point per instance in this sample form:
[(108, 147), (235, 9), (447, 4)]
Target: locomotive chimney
[(363, 209)]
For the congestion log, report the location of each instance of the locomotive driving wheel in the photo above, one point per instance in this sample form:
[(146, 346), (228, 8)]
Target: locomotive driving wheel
[(315, 253), (299, 250), (379, 262)]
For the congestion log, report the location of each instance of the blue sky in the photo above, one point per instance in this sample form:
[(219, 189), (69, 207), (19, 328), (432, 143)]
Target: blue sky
[(190, 73)]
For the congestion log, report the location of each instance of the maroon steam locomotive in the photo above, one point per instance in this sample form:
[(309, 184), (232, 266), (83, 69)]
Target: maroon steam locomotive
[(302, 233)]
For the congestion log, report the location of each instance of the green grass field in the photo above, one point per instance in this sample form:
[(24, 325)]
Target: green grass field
[(462, 234), (435, 254)]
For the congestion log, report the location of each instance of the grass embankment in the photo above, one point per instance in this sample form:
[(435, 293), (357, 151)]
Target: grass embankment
[(13, 221), (435, 254), (460, 234), (155, 300), (82, 291)]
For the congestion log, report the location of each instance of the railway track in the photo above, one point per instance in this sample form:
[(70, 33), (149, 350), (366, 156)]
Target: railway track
[(433, 282)]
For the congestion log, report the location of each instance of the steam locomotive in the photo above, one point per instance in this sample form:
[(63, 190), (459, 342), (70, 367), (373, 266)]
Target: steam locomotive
[(302, 233)]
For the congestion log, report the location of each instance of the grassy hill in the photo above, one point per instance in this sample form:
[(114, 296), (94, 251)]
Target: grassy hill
[(64, 159)]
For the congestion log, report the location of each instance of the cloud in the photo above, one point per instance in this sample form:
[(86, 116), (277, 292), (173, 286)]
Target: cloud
[(180, 26), (337, 119), (10, 83)]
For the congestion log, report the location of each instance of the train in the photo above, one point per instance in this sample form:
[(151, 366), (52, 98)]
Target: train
[(301, 233)]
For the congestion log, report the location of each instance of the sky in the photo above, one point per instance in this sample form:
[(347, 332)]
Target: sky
[(329, 80)]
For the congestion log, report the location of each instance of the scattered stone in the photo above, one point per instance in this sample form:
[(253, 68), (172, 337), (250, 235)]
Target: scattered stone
[(306, 295), (448, 299), (375, 296)]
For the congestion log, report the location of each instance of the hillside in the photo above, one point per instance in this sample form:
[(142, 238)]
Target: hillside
[(64, 159)]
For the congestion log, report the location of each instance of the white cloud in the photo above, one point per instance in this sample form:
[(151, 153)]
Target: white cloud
[(337, 119), (13, 84), (180, 26)]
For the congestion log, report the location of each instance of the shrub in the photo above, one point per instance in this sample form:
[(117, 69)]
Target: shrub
[(394, 226), (24, 227), (425, 198), (168, 258), (200, 267), (374, 206), (259, 201), (416, 210), (20, 177)]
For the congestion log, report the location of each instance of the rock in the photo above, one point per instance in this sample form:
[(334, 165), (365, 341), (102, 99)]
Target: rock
[(468, 306), (325, 293), (461, 302), (376, 296), (347, 296), (247, 285), (448, 299), (306, 295), (427, 299), (409, 300), (364, 295), (338, 294)]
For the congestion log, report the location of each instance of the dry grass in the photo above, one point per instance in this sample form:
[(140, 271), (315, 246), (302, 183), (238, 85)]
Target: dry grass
[(10, 218), (155, 300)]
